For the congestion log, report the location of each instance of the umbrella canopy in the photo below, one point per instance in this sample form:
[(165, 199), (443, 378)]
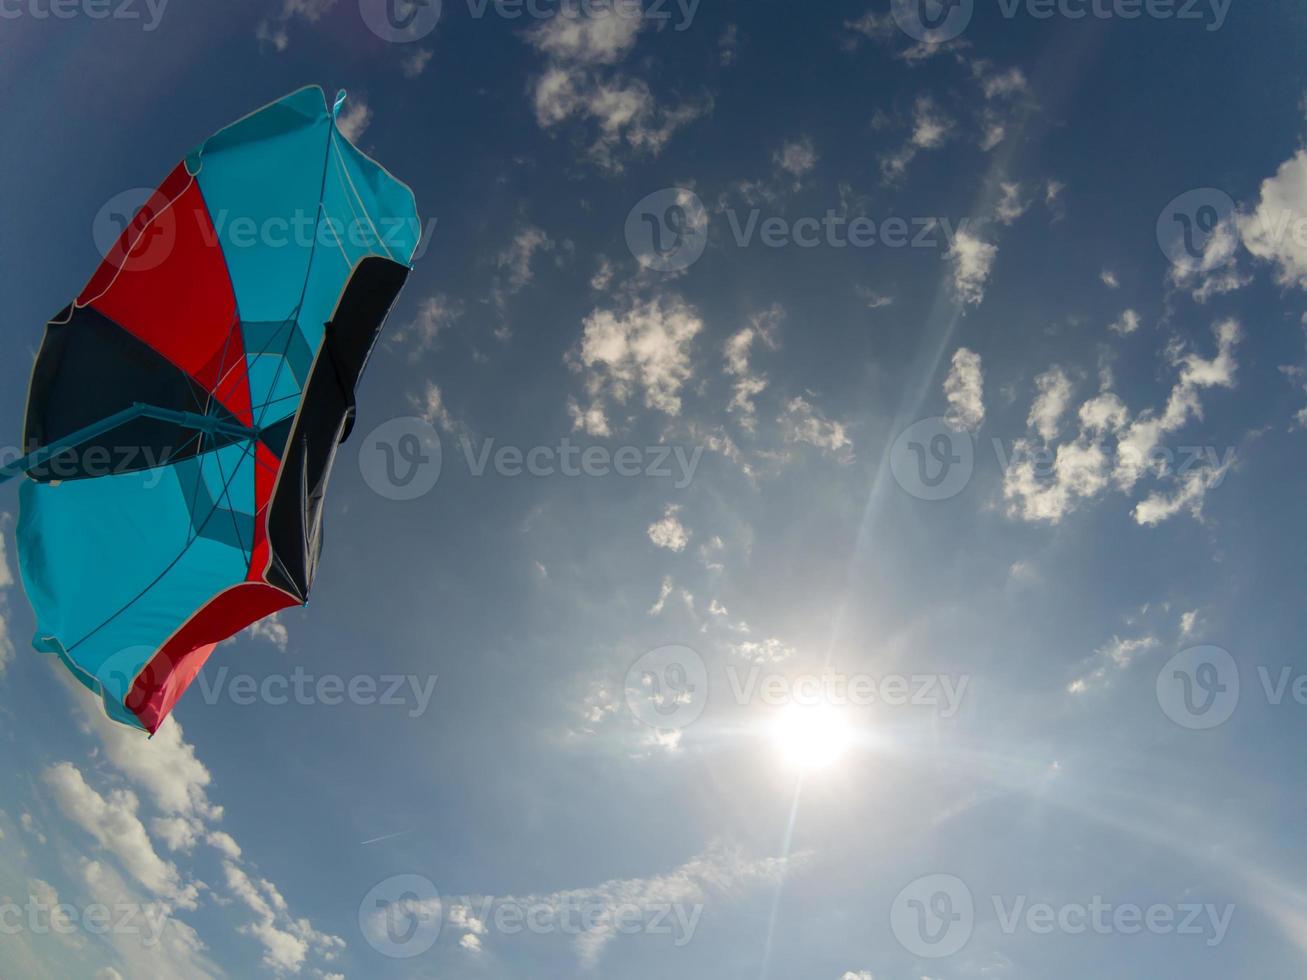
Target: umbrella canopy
[(240, 306)]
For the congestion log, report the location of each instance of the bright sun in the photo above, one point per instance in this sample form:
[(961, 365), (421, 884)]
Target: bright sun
[(811, 737)]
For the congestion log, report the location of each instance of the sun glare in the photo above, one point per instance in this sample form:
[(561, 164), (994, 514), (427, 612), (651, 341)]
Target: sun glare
[(811, 737)]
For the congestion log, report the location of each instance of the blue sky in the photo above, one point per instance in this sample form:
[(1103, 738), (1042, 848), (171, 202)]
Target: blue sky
[(946, 621)]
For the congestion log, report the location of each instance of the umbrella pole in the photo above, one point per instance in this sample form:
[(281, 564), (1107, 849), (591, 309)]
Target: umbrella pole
[(188, 420)]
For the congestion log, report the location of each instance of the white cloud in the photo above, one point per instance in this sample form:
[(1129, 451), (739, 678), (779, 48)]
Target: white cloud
[(29, 824), (272, 630), (1003, 83), (729, 45), (469, 942), (354, 119), (719, 874), (669, 532), (516, 259), (965, 390), (273, 30), (1109, 279), (162, 946), (1110, 659), (224, 843), (870, 26), (931, 128), (604, 39), (432, 406), (1087, 466), (1188, 497), (767, 651), (972, 260), (287, 941), (6, 575), (1127, 325), (763, 328), (1050, 404), (801, 422), (1053, 191), (626, 115), (1103, 415), (797, 158), (603, 277), (6, 582), (1011, 205), (421, 334), (1146, 432), (113, 822), (873, 299), (1216, 271), (665, 590), (1273, 231), (415, 63), (165, 766), (179, 833), (640, 351)]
